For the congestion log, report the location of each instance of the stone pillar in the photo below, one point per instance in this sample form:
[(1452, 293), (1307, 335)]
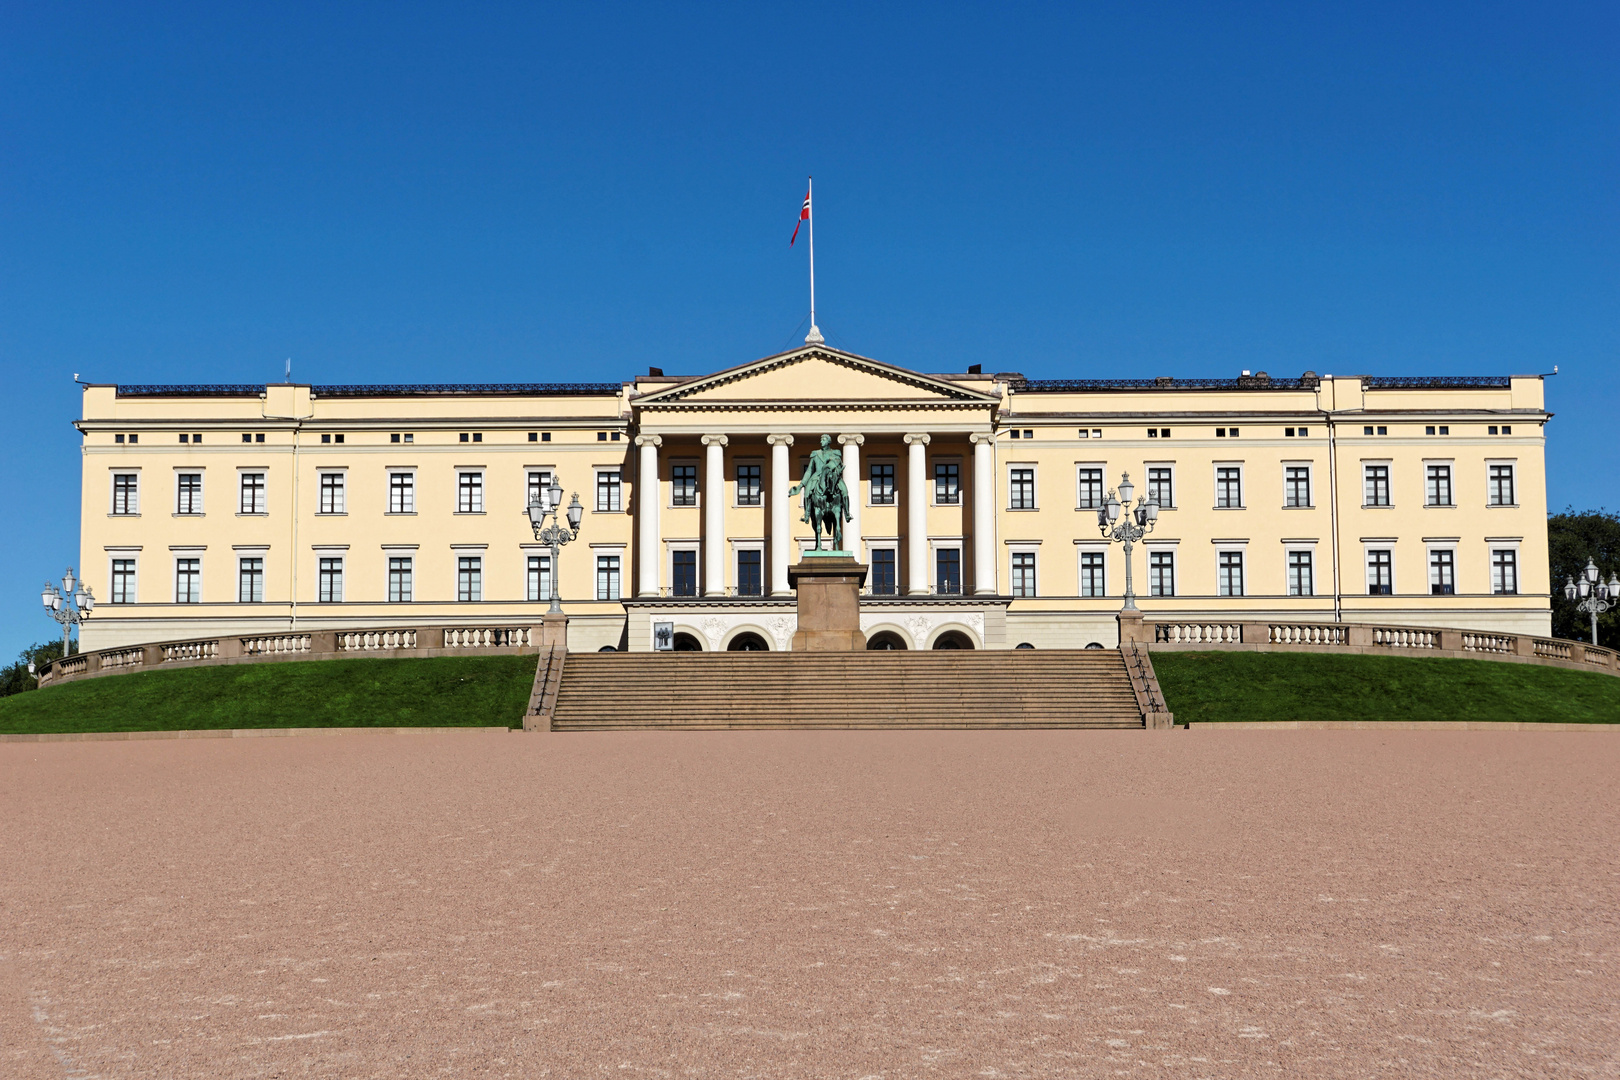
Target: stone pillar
[(917, 515), (781, 527), (852, 480), (984, 512), (714, 515), (647, 516)]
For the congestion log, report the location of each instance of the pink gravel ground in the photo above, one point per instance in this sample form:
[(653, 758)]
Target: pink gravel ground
[(817, 904)]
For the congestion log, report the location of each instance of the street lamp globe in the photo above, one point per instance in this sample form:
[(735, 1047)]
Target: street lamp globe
[(45, 595), (555, 494), (1592, 572), (575, 510), (68, 580), (1126, 489), (1570, 591)]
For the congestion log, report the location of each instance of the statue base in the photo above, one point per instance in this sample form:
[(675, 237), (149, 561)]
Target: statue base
[(829, 587)]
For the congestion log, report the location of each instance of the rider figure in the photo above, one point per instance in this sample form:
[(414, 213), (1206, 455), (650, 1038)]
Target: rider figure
[(826, 496)]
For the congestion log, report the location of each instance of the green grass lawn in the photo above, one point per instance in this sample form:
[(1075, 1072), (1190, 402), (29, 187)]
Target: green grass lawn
[(1201, 687), (452, 691)]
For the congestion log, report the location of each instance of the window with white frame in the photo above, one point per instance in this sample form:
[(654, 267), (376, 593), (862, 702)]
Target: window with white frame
[(1442, 571), (749, 488), (881, 474), (1023, 573), (399, 579), (1301, 573), (1375, 485), (1439, 485), (252, 493), (683, 484), (1161, 486), (469, 578), (469, 492), (1504, 571), (1161, 573), (750, 571), (607, 577), (1297, 485), (1229, 487), (401, 493), (250, 579), (884, 576), (1380, 572), (683, 571), (329, 579), (187, 580), (608, 492), (1021, 487), (1089, 488), (1501, 485), (126, 493), (948, 570), (123, 581), (188, 493), (539, 480), (331, 501), (539, 577), (1229, 573), (1093, 581), (947, 483)]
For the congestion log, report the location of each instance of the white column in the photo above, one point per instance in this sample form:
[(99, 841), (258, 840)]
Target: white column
[(852, 480), (984, 512), (917, 515), (714, 516), (647, 514), (781, 530)]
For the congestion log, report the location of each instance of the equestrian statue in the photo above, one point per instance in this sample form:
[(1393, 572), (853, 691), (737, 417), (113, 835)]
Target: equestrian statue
[(826, 496)]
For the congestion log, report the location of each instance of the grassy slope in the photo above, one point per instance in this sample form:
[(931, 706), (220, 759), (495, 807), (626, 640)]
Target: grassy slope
[(1218, 686), (437, 692)]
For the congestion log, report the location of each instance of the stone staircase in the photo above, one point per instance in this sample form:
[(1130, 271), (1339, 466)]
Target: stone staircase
[(945, 689)]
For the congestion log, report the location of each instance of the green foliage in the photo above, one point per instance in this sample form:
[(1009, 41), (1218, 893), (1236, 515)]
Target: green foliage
[(1223, 686), (15, 679), (1573, 538), (451, 691)]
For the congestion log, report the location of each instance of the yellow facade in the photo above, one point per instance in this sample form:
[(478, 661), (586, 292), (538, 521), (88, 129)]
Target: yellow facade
[(1315, 499)]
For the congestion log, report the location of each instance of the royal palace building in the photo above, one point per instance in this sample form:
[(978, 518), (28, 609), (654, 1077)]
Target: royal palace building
[(974, 499)]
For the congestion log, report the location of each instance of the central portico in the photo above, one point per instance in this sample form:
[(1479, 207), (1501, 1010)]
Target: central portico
[(918, 459)]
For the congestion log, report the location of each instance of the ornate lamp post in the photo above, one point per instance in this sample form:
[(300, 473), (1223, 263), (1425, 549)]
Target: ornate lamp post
[(66, 606), (1596, 596), (1120, 523), (549, 504)]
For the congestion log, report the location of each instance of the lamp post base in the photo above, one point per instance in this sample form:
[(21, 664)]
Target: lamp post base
[(1132, 628)]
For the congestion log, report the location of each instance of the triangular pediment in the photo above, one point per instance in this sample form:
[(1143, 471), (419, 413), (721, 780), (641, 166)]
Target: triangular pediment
[(816, 375)]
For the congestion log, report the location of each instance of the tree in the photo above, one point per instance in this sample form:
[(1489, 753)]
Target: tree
[(1573, 538), (15, 679)]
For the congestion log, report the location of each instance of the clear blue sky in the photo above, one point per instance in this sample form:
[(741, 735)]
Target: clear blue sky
[(474, 192)]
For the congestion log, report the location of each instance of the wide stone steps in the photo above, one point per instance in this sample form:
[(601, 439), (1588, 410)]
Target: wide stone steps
[(878, 689)]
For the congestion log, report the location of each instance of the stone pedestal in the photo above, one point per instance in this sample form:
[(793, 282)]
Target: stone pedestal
[(553, 631), (829, 588), (1133, 629)]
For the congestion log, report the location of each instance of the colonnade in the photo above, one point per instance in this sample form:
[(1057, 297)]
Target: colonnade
[(918, 484)]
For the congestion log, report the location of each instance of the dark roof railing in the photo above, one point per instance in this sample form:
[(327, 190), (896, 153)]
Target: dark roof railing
[(1255, 382), (372, 389)]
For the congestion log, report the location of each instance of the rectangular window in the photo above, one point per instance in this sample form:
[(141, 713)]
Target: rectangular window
[(1091, 489), (1159, 487), (683, 485), (607, 493), (188, 491), (948, 570), (1439, 485), (126, 493), (331, 493), (947, 483), (1504, 572), (750, 580), (1297, 485), (683, 573), (250, 581), (470, 493), (1230, 573), (1501, 491), (1380, 573), (882, 475), (402, 493), (252, 501), (884, 580), (1092, 582), (188, 581), (469, 578), (1021, 489), (331, 581), (539, 577), (1161, 573), (539, 480), (1375, 484), (1229, 486), (1300, 582), (607, 577), (748, 486), (399, 580), (123, 581), (1442, 573), (1023, 573)]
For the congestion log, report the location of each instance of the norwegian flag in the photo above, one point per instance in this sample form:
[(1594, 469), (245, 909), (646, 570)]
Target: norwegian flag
[(804, 215)]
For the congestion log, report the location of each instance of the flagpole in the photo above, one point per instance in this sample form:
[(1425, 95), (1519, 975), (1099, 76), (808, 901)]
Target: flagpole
[(814, 336)]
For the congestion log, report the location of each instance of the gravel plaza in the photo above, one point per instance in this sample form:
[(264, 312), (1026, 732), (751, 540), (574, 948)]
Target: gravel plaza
[(813, 904)]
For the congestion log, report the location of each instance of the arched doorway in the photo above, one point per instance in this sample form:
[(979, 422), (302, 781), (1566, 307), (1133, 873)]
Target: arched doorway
[(687, 643), (953, 639), (748, 641), (886, 640), (1023, 645)]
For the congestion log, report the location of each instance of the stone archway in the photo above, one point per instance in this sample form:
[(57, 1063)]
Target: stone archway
[(886, 641), (685, 642), (747, 641), (953, 639)]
